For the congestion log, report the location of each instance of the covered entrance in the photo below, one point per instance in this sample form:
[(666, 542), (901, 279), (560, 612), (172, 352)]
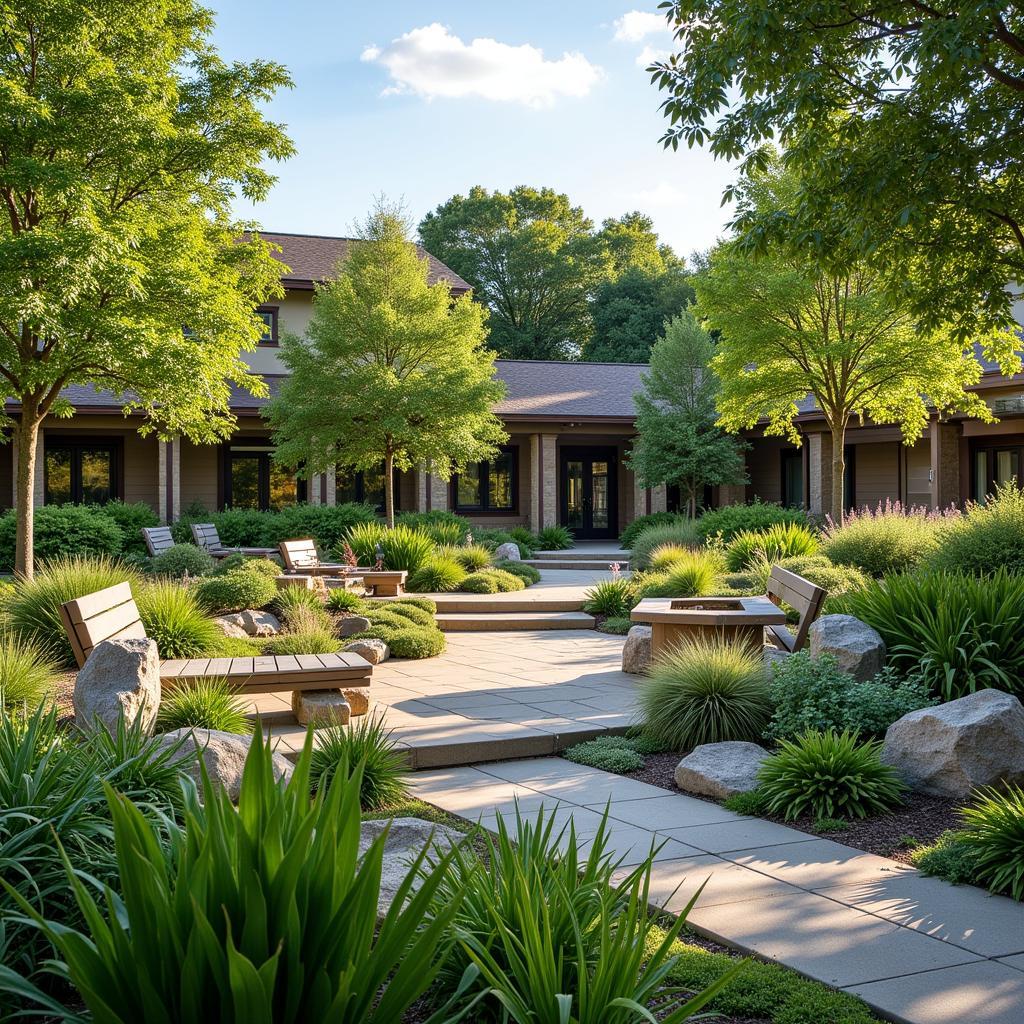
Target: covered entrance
[(588, 502)]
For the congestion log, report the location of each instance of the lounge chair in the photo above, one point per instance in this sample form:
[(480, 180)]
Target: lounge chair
[(158, 539), (300, 558), (205, 536)]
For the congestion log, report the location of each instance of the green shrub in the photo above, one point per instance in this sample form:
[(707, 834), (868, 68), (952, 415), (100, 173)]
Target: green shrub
[(828, 775), (817, 695), (327, 525), (694, 575), (663, 557), (994, 834), (34, 610), (782, 540), (418, 602), (949, 857), (629, 535), (960, 632), (235, 647), (236, 527), (26, 672), (380, 614), (471, 557), (705, 691), (682, 533), (130, 519), (554, 538), (384, 781), (409, 611), (524, 540), (403, 547), (63, 531), (606, 754), (986, 539), (437, 575), (518, 535), (416, 642), (291, 601), (491, 581), (833, 579), (182, 560), (613, 597), (235, 591), (341, 600), (527, 573), (618, 625), (440, 525), (193, 942), (752, 803), (729, 520), (174, 618), (886, 540), (310, 631), (209, 703)]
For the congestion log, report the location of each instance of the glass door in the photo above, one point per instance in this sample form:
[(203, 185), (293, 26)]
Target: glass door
[(588, 493)]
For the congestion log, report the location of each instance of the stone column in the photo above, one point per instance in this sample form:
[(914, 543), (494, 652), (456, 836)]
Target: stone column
[(945, 467), (169, 480), (536, 484), (548, 480), (421, 476), (819, 452), (438, 492), (659, 498)]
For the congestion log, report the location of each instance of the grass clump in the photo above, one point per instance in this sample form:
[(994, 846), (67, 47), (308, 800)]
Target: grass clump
[(781, 540), (403, 547), (173, 617), (470, 556), (681, 533), (294, 601), (341, 600), (26, 672), (696, 574), (438, 574), (887, 539), (210, 703), (993, 832), (310, 631), (613, 597), (986, 539), (554, 538)]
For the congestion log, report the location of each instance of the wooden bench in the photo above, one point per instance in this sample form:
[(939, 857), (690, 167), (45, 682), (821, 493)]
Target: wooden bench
[(158, 539), (205, 535), (112, 614), (802, 596), (300, 557)]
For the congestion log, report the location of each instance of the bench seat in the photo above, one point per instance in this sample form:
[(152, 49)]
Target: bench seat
[(272, 673)]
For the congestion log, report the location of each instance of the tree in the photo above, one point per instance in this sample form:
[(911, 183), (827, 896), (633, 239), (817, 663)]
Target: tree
[(903, 120), (123, 140), (391, 369), (790, 326), (679, 441), (532, 258), (633, 244)]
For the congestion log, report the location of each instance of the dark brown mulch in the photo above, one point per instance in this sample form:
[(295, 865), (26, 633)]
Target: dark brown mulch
[(918, 822)]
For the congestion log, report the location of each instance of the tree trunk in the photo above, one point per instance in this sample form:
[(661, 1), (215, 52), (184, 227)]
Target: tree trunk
[(838, 473), (389, 488), (26, 435)]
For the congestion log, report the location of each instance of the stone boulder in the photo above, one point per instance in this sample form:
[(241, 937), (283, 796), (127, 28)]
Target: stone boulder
[(952, 749), (231, 625), (320, 708), (259, 623), (857, 647), (406, 838), (374, 651), (774, 656), (120, 679), (721, 769), (223, 753), (352, 624), (636, 651), (507, 552), (358, 700)]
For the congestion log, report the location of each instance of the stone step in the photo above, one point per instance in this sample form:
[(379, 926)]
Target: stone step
[(517, 601), (584, 555), (578, 565), (500, 622)]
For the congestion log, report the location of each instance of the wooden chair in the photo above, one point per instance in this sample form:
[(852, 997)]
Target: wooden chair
[(800, 594), (205, 536), (300, 557), (112, 614), (158, 539)]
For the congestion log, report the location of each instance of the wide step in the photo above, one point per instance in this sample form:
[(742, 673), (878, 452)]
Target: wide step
[(579, 564), (488, 604), (461, 622), (584, 555)]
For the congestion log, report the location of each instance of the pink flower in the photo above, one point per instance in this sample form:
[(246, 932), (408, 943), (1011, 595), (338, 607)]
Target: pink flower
[(615, 567)]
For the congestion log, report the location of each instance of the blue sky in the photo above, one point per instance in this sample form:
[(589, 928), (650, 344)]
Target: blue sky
[(422, 100)]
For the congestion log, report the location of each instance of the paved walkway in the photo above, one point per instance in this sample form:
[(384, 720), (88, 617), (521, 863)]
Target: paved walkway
[(916, 949)]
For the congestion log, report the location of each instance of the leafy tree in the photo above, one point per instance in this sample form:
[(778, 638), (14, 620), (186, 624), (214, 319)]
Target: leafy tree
[(790, 326), (633, 244), (903, 120), (123, 140), (391, 368), (532, 257), (679, 441)]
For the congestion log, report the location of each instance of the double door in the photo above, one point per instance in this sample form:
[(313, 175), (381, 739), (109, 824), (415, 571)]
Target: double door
[(588, 493)]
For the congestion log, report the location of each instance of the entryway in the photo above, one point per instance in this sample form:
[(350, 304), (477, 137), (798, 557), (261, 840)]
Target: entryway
[(588, 495)]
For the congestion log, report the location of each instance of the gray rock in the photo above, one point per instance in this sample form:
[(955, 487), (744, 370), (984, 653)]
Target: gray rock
[(953, 748), (774, 656), (859, 649), (721, 769), (120, 679), (223, 753), (636, 652), (358, 698), (507, 552), (374, 651), (407, 837), (352, 624), (259, 623), (320, 708), (231, 625)]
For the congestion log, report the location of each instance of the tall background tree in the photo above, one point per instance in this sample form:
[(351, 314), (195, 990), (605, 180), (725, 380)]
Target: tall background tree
[(123, 139), (391, 369), (791, 325), (679, 441)]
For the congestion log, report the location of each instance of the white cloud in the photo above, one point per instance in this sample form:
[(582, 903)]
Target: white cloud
[(663, 194), (636, 25), (432, 62), (649, 54)]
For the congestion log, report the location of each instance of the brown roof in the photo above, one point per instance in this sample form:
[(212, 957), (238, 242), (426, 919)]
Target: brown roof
[(570, 390), (314, 258)]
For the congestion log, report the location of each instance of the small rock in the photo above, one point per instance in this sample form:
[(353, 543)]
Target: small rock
[(231, 625), (358, 700), (774, 656), (374, 651), (859, 649), (954, 748), (120, 679), (721, 769), (406, 838), (320, 708), (636, 651), (224, 755), (352, 624), (259, 623), (507, 552), (299, 582)]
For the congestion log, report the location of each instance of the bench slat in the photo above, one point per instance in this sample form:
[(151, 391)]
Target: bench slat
[(86, 607)]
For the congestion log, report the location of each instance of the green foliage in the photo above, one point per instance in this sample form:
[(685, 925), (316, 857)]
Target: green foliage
[(817, 695), (705, 691), (833, 579), (949, 857), (518, 535), (366, 742), (641, 523), (693, 574), (296, 602), (727, 521), (380, 614), (886, 540), (554, 538), (663, 557), (994, 833), (416, 615), (527, 573), (235, 590), (960, 632), (34, 611), (441, 525), (418, 602), (471, 557), (26, 673), (606, 754), (781, 540), (173, 617), (525, 540), (182, 560), (618, 625), (416, 642), (491, 581), (63, 531), (438, 574), (208, 703), (192, 943), (236, 647), (130, 519), (403, 547), (829, 775), (753, 803), (327, 525), (613, 597), (309, 632), (341, 600), (682, 533), (986, 538)]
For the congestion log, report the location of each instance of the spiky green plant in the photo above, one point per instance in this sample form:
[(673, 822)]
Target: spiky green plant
[(693, 574), (613, 597), (780, 540), (26, 672), (175, 620), (554, 538), (470, 556), (993, 832), (666, 555), (680, 533), (341, 600), (403, 547), (208, 703), (288, 601), (438, 574)]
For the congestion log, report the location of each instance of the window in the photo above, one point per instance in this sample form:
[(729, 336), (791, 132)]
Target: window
[(83, 470), (253, 480), (362, 485), (268, 314), (996, 465), (793, 479), (489, 486)]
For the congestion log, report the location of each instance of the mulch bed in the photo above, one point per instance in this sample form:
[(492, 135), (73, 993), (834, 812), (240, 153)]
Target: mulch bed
[(917, 823)]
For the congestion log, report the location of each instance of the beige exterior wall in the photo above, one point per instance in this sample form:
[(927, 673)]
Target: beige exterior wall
[(876, 473), (293, 313), (199, 466), (917, 461)]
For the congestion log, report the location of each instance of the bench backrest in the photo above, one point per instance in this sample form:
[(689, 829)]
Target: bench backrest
[(109, 614), (801, 595), (299, 554), (205, 535), (157, 538)]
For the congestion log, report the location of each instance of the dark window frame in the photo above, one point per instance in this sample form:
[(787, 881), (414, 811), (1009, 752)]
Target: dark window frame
[(791, 456), (485, 508), (274, 312), (360, 486), (263, 472), (991, 445), (79, 443)]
